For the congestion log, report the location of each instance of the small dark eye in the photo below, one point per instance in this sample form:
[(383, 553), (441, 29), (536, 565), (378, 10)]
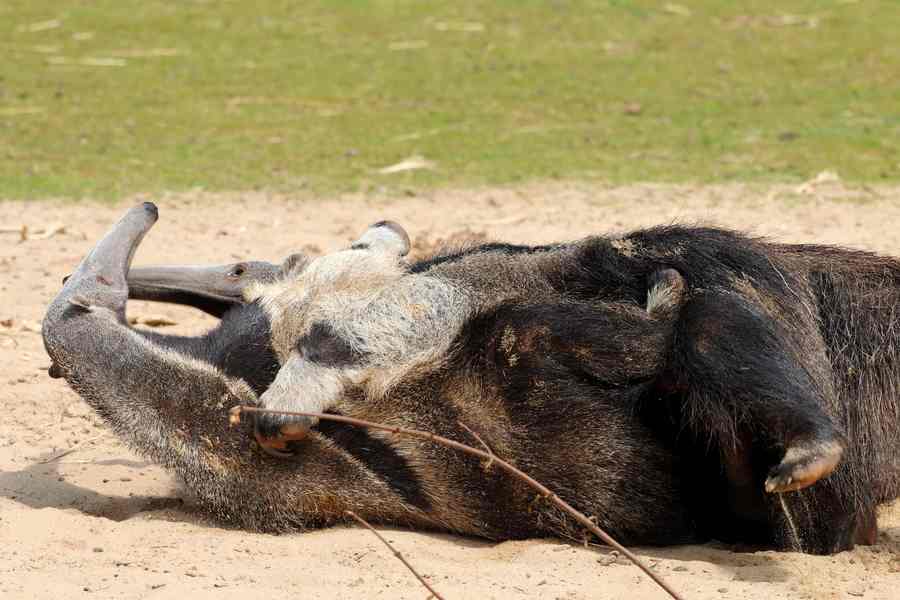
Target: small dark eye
[(238, 271)]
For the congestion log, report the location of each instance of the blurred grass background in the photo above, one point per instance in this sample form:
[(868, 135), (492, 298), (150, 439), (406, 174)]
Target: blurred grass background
[(111, 97)]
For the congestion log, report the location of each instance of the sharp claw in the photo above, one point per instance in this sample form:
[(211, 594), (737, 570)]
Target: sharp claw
[(272, 447), (293, 431), (803, 466), (274, 452)]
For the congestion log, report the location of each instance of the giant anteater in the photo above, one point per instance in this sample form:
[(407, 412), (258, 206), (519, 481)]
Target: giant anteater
[(676, 383)]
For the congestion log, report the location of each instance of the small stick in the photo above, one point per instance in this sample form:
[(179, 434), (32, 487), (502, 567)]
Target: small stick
[(395, 552), (487, 448), (235, 418), (72, 448)]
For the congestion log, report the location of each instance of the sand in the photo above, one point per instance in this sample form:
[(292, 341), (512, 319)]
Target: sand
[(101, 522)]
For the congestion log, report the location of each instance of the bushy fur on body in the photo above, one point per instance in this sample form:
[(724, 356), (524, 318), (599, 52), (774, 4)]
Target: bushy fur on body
[(661, 404)]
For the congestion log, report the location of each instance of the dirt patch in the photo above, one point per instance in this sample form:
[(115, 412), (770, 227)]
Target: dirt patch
[(104, 522)]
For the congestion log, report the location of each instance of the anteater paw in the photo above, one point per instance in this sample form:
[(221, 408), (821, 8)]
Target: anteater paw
[(275, 431), (804, 464)]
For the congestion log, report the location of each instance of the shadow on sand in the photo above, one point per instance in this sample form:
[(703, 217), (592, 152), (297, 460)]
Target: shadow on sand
[(44, 486)]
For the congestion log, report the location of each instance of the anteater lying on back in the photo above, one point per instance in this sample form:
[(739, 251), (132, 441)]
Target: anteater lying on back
[(676, 383)]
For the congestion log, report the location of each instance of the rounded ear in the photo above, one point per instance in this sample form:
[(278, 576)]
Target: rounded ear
[(384, 236)]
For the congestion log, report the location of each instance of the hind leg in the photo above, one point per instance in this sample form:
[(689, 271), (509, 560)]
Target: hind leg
[(740, 375)]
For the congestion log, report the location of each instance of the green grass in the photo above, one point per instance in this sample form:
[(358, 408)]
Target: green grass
[(319, 96)]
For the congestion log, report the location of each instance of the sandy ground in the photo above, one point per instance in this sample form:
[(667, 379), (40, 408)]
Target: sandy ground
[(101, 522)]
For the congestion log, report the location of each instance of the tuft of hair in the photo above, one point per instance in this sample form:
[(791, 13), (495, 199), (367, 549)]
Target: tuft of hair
[(666, 292)]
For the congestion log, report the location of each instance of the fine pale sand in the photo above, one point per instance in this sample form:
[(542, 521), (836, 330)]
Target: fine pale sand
[(102, 522)]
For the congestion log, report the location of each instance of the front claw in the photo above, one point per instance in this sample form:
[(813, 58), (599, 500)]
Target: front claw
[(299, 387), (274, 432), (803, 465)]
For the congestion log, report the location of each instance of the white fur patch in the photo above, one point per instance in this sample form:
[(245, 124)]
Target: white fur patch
[(660, 296), (394, 320)]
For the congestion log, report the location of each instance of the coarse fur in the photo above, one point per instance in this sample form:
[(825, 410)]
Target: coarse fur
[(661, 382)]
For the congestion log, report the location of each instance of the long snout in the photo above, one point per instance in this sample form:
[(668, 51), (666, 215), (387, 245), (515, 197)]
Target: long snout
[(212, 289)]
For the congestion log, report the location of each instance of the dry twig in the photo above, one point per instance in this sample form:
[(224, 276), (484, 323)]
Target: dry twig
[(545, 492), (395, 552), (72, 448), (487, 448)]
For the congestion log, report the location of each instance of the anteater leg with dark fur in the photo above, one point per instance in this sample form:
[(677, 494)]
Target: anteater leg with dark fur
[(740, 374), (745, 386)]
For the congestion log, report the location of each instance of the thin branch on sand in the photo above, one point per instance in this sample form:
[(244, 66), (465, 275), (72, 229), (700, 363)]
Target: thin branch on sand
[(395, 552), (545, 492), (72, 448)]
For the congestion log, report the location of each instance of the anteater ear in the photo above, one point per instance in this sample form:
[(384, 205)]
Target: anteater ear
[(293, 265), (384, 236), (666, 293)]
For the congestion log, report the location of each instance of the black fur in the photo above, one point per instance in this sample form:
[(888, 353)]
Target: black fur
[(239, 345), (322, 345), (424, 265)]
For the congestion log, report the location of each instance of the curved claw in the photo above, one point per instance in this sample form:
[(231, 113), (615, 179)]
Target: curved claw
[(271, 446), (277, 445), (803, 465)]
